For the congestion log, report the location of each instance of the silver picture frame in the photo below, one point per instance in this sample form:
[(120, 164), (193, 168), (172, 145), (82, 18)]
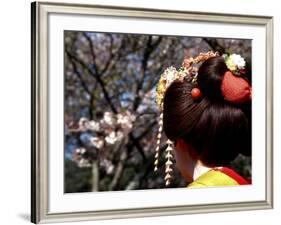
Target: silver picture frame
[(40, 106)]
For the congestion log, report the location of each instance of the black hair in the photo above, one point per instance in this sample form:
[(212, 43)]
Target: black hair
[(217, 130)]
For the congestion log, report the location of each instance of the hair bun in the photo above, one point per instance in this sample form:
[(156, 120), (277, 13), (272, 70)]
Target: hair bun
[(210, 75)]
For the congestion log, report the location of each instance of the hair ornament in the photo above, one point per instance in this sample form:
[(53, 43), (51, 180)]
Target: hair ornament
[(189, 69), (169, 163), (235, 63), (235, 89), (195, 93)]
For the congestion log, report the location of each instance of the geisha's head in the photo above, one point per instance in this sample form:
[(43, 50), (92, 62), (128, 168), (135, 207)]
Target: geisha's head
[(215, 127)]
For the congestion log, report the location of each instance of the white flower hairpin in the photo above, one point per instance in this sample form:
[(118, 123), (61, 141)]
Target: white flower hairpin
[(235, 63)]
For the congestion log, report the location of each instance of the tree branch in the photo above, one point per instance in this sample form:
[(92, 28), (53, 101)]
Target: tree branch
[(95, 176), (136, 143), (110, 54), (213, 43), (84, 85), (92, 52), (119, 170), (79, 75), (150, 47), (146, 131), (147, 168), (98, 79)]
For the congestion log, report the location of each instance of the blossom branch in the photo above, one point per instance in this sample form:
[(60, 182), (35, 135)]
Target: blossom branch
[(98, 79)]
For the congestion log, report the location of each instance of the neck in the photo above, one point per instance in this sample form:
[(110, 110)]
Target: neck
[(199, 170)]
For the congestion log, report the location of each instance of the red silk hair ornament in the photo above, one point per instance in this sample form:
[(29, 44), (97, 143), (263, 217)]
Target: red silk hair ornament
[(195, 93), (235, 89)]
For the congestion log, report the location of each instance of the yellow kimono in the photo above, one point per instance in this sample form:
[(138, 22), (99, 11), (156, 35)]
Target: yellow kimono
[(221, 176)]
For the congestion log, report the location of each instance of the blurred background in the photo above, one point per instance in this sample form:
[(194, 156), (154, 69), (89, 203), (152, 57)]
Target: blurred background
[(110, 111)]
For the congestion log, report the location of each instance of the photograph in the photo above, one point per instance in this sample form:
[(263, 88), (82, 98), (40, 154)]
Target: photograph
[(144, 111), (159, 112)]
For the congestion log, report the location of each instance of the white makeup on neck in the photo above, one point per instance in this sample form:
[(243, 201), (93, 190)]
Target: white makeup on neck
[(200, 170)]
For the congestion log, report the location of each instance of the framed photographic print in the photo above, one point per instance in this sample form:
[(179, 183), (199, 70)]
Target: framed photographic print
[(146, 112)]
